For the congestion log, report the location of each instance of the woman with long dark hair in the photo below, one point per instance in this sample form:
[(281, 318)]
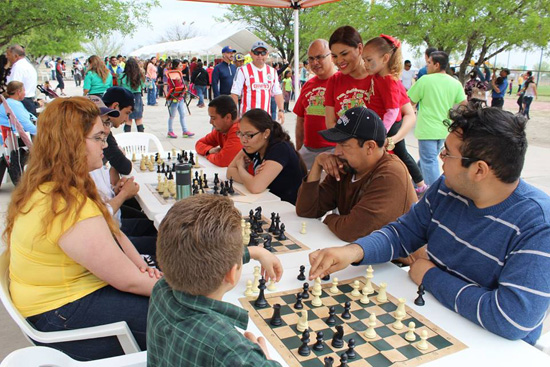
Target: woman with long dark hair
[(133, 79)]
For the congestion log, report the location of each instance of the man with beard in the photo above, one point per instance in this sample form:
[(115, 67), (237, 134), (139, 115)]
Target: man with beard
[(369, 187)]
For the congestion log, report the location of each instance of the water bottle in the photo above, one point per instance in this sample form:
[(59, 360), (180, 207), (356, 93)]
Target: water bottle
[(183, 180)]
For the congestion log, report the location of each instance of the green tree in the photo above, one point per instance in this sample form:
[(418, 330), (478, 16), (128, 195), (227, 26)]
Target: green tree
[(32, 22)]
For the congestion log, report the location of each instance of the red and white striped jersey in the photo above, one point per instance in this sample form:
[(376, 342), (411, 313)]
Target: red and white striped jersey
[(256, 86)]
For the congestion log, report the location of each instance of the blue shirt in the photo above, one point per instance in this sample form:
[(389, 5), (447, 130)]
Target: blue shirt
[(492, 264), (223, 75), (25, 117), (423, 71), (502, 87)]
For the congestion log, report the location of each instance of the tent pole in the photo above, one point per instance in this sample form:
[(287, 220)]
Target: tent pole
[(296, 53)]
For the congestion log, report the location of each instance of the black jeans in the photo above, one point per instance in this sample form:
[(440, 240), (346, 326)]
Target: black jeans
[(497, 102), (400, 150), (29, 105)]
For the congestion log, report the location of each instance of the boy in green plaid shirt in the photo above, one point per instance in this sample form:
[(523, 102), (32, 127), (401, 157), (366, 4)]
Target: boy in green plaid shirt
[(200, 251)]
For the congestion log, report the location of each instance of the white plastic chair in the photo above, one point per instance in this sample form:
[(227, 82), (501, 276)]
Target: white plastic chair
[(119, 329), (139, 143), (49, 357)]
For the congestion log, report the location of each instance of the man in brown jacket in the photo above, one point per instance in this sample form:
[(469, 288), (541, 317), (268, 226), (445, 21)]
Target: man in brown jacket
[(369, 187)]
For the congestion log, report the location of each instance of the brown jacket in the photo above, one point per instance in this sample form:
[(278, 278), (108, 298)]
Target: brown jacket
[(379, 198)]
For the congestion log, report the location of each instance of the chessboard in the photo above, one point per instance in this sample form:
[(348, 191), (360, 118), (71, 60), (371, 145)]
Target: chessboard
[(388, 348), (172, 199), (277, 246)]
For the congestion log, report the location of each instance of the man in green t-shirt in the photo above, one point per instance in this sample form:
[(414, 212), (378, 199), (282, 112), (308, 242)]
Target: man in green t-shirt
[(438, 92)]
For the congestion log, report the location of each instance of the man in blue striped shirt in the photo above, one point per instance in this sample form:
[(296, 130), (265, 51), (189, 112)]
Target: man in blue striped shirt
[(487, 231)]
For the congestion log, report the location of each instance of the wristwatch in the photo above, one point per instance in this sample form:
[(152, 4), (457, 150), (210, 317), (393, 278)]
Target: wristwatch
[(391, 144), (281, 110)]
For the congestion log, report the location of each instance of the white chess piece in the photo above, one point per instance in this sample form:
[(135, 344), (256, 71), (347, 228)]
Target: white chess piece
[(369, 277), (302, 322), (243, 228), (316, 301), (317, 287), (382, 297), (398, 324), (355, 291), (271, 286), (371, 333), (423, 343), (334, 288), (401, 306), (365, 298), (247, 231), (411, 336), (256, 283), (303, 230), (248, 292)]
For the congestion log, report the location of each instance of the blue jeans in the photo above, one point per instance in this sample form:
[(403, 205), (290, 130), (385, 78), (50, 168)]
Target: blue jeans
[(429, 155), (201, 92), (273, 109), (180, 107), (104, 306), (527, 100), (152, 95)]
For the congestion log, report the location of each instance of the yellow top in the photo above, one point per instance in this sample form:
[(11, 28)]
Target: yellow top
[(43, 277)]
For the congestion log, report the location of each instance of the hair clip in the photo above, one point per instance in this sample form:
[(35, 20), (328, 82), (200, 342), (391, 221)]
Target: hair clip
[(394, 41)]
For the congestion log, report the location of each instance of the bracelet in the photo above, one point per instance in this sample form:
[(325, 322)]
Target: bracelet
[(281, 110)]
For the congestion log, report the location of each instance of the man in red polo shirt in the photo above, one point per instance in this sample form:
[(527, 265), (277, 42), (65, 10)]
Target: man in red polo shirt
[(222, 144), (310, 107)]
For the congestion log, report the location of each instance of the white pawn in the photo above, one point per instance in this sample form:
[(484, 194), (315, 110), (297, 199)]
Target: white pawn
[(271, 286), (248, 292), (256, 283), (423, 344), (371, 333), (411, 336), (302, 322), (243, 228), (303, 230), (246, 237), (365, 298), (355, 291), (382, 297), (316, 301), (334, 288)]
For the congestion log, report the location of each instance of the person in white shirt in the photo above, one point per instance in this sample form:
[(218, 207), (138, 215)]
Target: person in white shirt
[(22, 71), (257, 82), (407, 75)]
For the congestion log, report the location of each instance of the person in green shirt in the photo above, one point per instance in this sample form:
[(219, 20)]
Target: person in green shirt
[(200, 251), (97, 79), (134, 80), (287, 89)]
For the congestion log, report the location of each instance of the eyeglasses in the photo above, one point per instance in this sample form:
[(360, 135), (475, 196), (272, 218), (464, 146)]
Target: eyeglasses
[(444, 155), (317, 58), (99, 139), (258, 53), (247, 136)]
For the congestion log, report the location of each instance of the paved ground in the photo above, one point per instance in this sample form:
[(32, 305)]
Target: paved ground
[(536, 171)]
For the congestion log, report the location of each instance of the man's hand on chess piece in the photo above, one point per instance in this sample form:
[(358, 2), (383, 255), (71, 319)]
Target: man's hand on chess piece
[(329, 260)]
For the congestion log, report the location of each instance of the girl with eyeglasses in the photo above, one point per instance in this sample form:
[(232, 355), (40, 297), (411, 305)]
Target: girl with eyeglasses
[(268, 159)]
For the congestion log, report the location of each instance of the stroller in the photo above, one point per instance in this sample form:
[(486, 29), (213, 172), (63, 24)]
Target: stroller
[(49, 94), (178, 87)]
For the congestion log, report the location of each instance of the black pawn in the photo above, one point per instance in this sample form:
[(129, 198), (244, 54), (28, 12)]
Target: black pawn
[(261, 302), (351, 349), (169, 158), (343, 360), (346, 315), (215, 190), (192, 159), (304, 349), (173, 167), (197, 175), (205, 181), (224, 189), (272, 226), (331, 320), (302, 276), (158, 169), (326, 277), (276, 318), (282, 235), (170, 176), (329, 361), (216, 179), (298, 305), (338, 338), (231, 190), (419, 301), (305, 293), (318, 346)]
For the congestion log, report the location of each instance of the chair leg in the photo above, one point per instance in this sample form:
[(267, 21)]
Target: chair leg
[(3, 169)]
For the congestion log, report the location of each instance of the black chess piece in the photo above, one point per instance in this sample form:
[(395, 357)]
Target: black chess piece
[(328, 361), (197, 175), (331, 319), (318, 346), (253, 239), (158, 169), (216, 179), (351, 349), (305, 293), (231, 189), (258, 213), (195, 189), (276, 319), (419, 301), (272, 225), (215, 190), (338, 338), (261, 302), (191, 159), (204, 181), (346, 315), (170, 176), (343, 360), (304, 349), (267, 243), (169, 158), (223, 191), (326, 277), (302, 276), (156, 157), (277, 229), (173, 167), (179, 157), (282, 235), (298, 305)]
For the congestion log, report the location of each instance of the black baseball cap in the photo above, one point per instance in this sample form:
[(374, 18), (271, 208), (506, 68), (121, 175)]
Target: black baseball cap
[(121, 95), (104, 110), (359, 123)]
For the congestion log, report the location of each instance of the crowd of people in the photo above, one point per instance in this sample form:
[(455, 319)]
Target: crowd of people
[(82, 253)]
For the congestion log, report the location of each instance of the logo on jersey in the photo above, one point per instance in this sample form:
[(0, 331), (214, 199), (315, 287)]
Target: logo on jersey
[(260, 86), (269, 77)]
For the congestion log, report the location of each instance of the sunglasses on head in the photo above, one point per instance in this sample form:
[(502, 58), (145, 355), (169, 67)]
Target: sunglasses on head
[(257, 53)]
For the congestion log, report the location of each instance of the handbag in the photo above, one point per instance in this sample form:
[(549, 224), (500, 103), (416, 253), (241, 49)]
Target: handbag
[(149, 83)]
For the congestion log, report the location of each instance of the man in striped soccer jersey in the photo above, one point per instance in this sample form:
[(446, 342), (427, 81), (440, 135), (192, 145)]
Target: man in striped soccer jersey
[(256, 82), (487, 231)]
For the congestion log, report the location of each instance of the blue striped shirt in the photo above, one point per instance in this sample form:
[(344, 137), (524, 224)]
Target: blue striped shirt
[(493, 264)]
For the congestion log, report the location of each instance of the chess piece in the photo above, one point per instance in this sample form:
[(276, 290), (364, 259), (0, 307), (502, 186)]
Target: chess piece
[(369, 277), (204, 181), (267, 243), (419, 301), (304, 349), (298, 305), (401, 306), (355, 291), (271, 286), (316, 301), (277, 229), (248, 292), (423, 343), (328, 361), (351, 349), (317, 289), (215, 190), (258, 212), (166, 194), (371, 333), (399, 315), (282, 235), (302, 322), (338, 338), (261, 302), (411, 336), (318, 346), (276, 319), (365, 296), (382, 297), (346, 315), (134, 157), (231, 190), (256, 283), (243, 228), (331, 319), (326, 277), (247, 231), (305, 293), (216, 179), (343, 360), (334, 288), (253, 239), (302, 275), (303, 230), (272, 225)]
